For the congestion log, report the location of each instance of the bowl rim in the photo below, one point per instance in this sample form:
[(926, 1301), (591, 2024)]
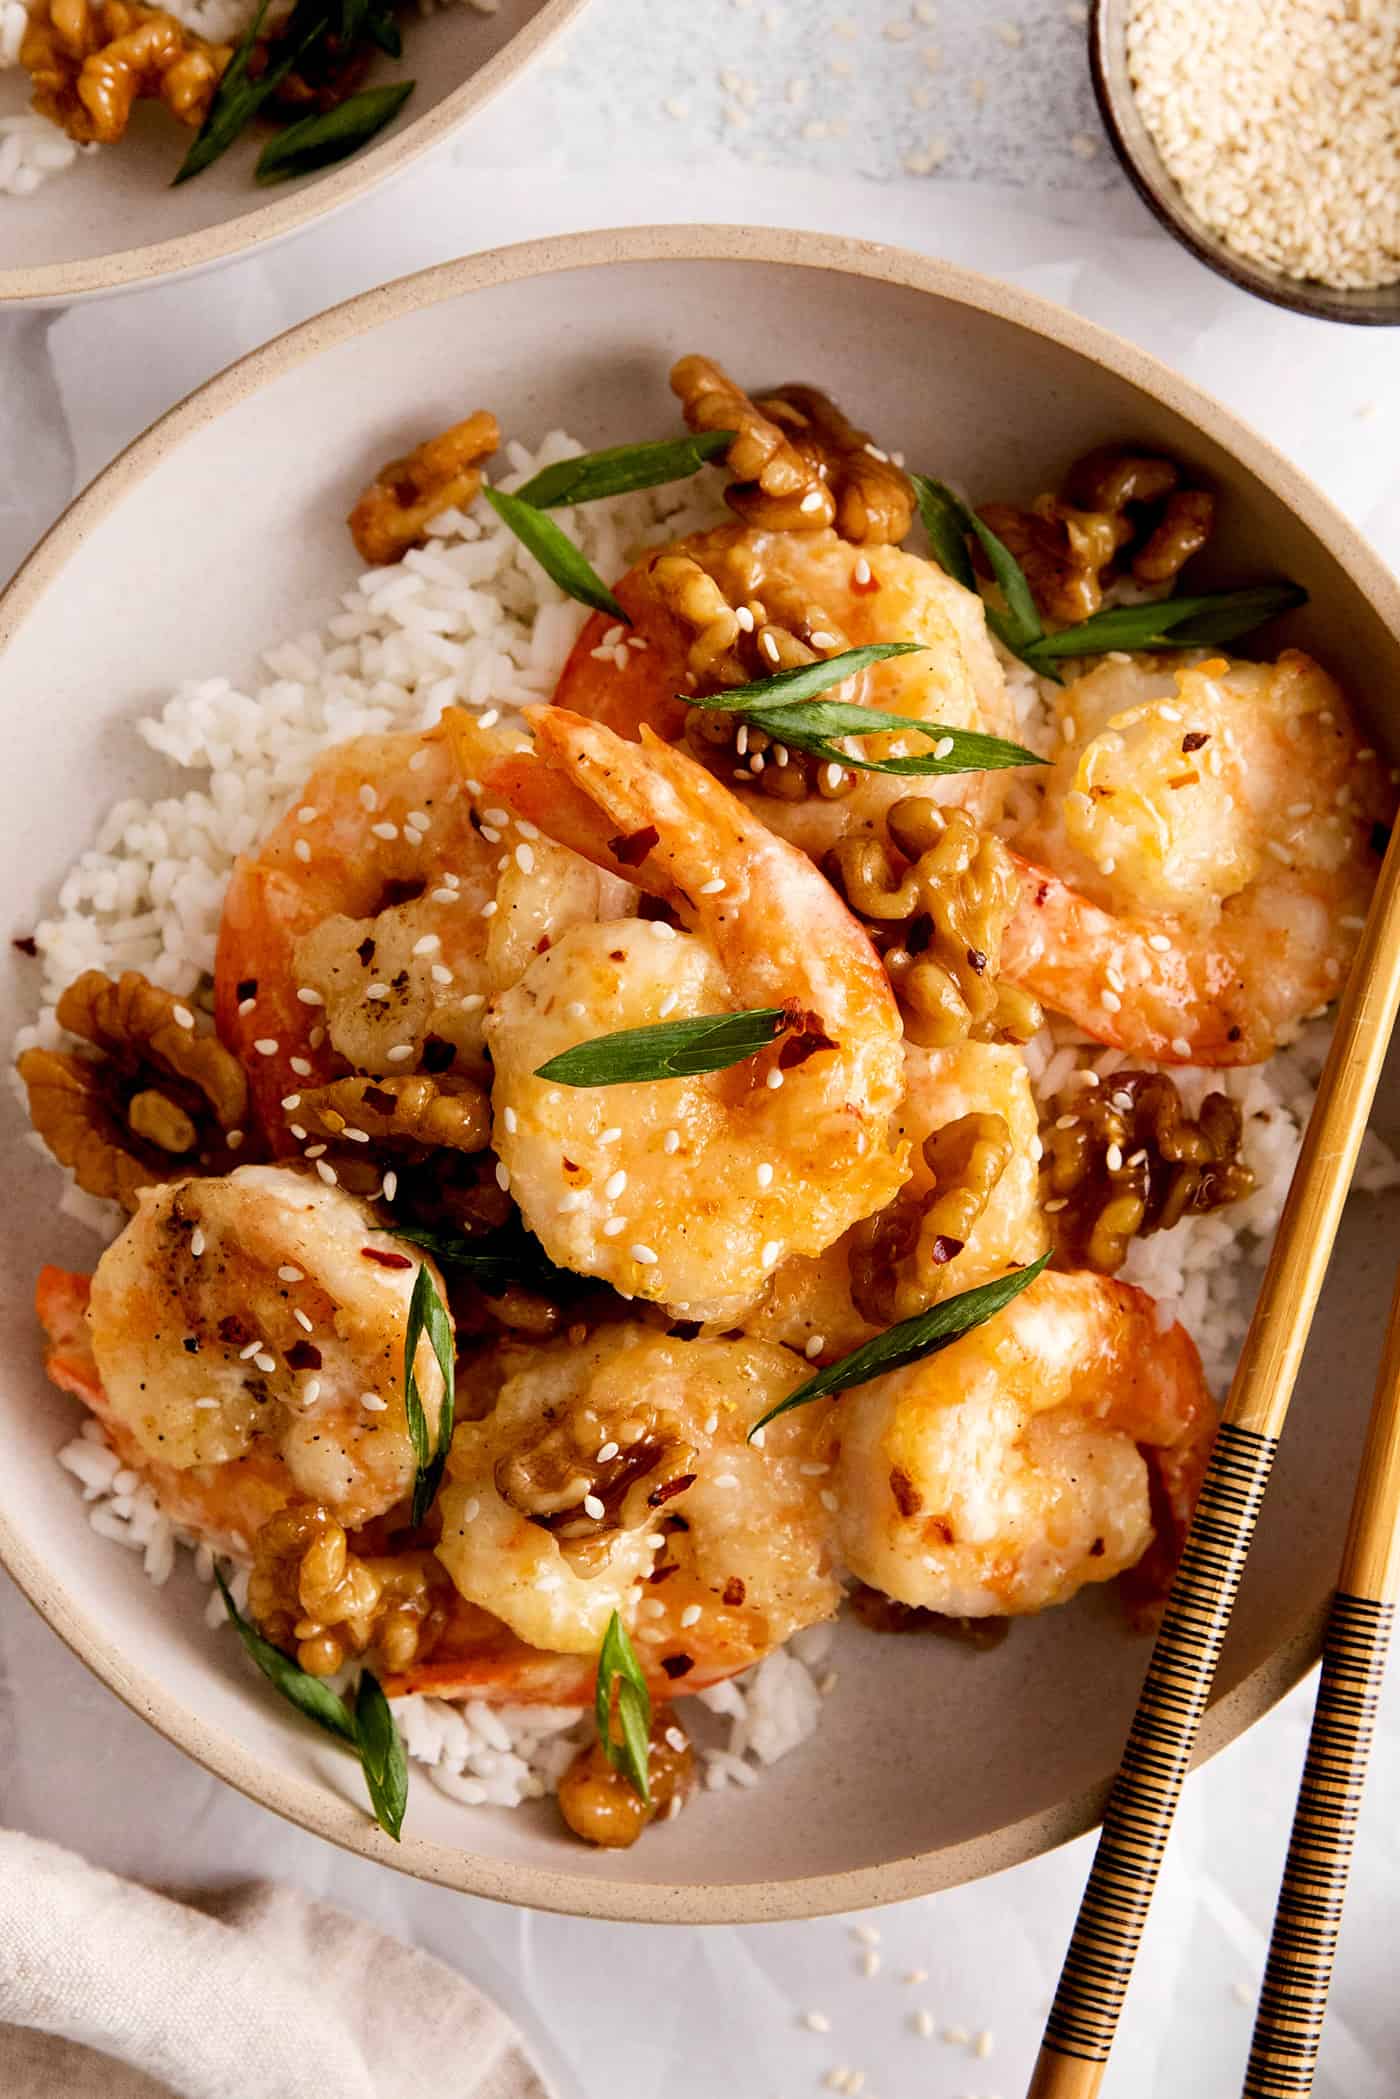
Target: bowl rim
[(1320, 302), (264, 225), (310, 1801)]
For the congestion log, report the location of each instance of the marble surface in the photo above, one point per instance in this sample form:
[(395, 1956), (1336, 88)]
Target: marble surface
[(968, 132)]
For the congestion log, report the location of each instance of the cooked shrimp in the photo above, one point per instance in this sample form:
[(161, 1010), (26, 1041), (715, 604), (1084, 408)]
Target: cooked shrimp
[(827, 595), (999, 1477), (811, 1306), (1204, 856), (248, 1336), (614, 1475), (690, 1191), (363, 931)]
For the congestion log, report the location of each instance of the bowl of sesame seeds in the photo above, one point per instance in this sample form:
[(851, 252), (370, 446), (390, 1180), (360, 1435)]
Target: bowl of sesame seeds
[(1265, 135)]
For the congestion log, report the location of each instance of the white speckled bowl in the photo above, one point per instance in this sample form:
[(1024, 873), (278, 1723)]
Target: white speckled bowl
[(113, 221), (933, 1764)]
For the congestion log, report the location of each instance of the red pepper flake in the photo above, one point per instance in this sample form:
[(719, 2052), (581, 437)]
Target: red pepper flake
[(632, 847), (670, 1490), (1193, 740), (234, 1331), (945, 1248), (734, 1592), (247, 988), (383, 1260), (365, 952), (302, 1355), (26, 944), (677, 1665), (869, 586), (382, 1102), (438, 1054)]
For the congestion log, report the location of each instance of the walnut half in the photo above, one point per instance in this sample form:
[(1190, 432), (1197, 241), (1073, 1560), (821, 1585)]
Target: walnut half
[(443, 473), (314, 1597), (90, 65), (898, 1257), (162, 1100)]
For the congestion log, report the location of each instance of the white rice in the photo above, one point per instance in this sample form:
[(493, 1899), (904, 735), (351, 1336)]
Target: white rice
[(471, 620)]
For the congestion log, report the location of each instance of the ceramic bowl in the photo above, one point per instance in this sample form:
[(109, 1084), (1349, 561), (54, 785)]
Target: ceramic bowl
[(1143, 164), (113, 221), (933, 1763)]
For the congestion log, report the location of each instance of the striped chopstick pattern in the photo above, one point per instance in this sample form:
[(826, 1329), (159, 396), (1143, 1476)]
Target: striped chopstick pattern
[(1138, 1818), (1293, 2000)]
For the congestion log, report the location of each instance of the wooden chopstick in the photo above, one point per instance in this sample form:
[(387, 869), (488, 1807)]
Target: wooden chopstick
[(1293, 2001), (1142, 1800)]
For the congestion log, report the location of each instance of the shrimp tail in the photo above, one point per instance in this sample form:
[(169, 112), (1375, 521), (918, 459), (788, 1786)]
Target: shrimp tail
[(61, 1301)]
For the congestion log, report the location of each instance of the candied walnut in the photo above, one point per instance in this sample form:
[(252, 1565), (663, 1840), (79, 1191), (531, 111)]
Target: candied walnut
[(776, 484), (435, 1113), (883, 1614), (442, 473), (583, 1478), (315, 1598), (600, 1804), (937, 894), (1119, 510), (1130, 1161), (162, 1101), (90, 65), (874, 497), (898, 1256)]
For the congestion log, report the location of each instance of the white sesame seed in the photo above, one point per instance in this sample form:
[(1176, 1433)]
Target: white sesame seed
[(611, 1134), (206, 1403), (376, 991), (309, 997), (525, 859), (644, 1254), (245, 1355), (614, 1228), (197, 1242), (983, 2045), (391, 1187), (671, 1142), (300, 1066), (373, 1404), (828, 1500), (745, 619), (668, 1005), (1111, 1002), (306, 814), (1159, 943), (471, 1000), (266, 1046), (870, 1963), (711, 1424), (813, 1346), (916, 1975), (245, 1007), (758, 1437), (502, 1176), (774, 1080), (614, 1185), (266, 1363), (811, 501), (301, 1319), (1113, 1158), (428, 945), (772, 1250), (311, 1391), (302, 851), (1180, 1046), (944, 747), (956, 2036), (291, 1100), (922, 2022), (714, 887), (866, 1934), (593, 1507), (490, 910), (328, 1174), (690, 1615), (385, 831), (440, 973), (288, 1274), (606, 1451), (401, 1052)]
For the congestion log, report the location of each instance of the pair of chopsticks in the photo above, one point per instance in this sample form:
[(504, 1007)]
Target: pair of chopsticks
[(1142, 1801)]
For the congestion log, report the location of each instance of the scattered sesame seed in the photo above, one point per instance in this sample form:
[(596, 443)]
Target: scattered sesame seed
[(644, 1254), (302, 850), (266, 1363), (1056, 1202), (373, 1404), (311, 1391), (668, 1005), (983, 2045), (1111, 1002), (916, 1975), (828, 1500), (758, 1437), (386, 831), (605, 1452), (614, 1228), (772, 1251), (525, 859), (690, 1615), (300, 1066), (245, 1007), (765, 1175), (441, 974), (197, 1242), (390, 1188), (309, 997), (428, 945), (816, 2022), (245, 1355), (401, 1052), (1159, 943), (502, 1176), (774, 1080), (301, 1319), (1180, 1046), (266, 1046), (328, 1174), (376, 991), (866, 1934), (956, 2036), (813, 1347), (713, 888), (921, 2021), (288, 1274), (944, 747), (662, 931), (1242, 1993), (291, 1100), (1113, 1158), (593, 1507), (614, 1185), (489, 910)]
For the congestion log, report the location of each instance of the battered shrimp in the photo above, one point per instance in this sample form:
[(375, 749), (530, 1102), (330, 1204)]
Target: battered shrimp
[(811, 1306), (614, 1474), (830, 595), (691, 1191), (999, 1477), (1205, 853), (248, 1338), (363, 931)]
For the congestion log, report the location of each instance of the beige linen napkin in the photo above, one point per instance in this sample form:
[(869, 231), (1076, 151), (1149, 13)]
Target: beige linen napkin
[(111, 1991)]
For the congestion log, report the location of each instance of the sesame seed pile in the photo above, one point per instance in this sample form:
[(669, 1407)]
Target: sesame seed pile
[(1280, 122)]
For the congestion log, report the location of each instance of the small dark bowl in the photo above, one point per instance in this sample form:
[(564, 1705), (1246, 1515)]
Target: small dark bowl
[(1137, 150)]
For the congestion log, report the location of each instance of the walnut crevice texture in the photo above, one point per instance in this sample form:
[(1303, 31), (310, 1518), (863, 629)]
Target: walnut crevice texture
[(551, 1477), (798, 464), (898, 1257), (1130, 1161), (162, 1101), (90, 65), (1121, 512), (936, 895), (315, 1598), (443, 473), (601, 1805)]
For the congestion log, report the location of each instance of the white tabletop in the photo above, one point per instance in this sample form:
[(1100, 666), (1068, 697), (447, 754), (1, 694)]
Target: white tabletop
[(968, 131)]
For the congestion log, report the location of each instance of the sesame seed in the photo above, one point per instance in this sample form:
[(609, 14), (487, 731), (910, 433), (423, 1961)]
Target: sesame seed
[(1159, 943), (593, 1507), (870, 1964), (302, 851), (401, 1052), (489, 910), (444, 896), (922, 2022), (376, 991), (206, 1403), (385, 831), (745, 619), (1113, 1158), (956, 2036), (611, 1135), (614, 1185), (373, 1404), (671, 1142), (291, 1100), (490, 834), (502, 1176), (572, 1199), (245, 1355), (368, 798), (774, 1080), (266, 1046), (471, 1510), (311, 1391), (668, 1005), (614, 1228), (288, 1274), (441, 974), (714, 887), (1180, 1046), (813, 1346), (690, 1615), (832, 777), (328, 1174), (525, 859), (767, 642), (197, 1242), (428, 945), (301, 1319), (772, 1250), (606, 1451), (916, 1975), (245, 1007), (1058, 1202), (866, 1934), (266, 1363), (307, 815), (644, 1254), (576, 1009), (490, 718), (309, 997), (758, 1437), (944, 747), (300, 1066), (711, 1424), (811, 501), (828, 1501), (1111, 1002), (472, 1000), (391, 1187)]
